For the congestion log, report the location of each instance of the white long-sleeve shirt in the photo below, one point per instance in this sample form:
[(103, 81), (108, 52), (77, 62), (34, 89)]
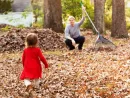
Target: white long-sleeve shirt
[(74, 31)]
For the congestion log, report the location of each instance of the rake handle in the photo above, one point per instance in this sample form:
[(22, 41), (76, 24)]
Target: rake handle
[(90, 19)]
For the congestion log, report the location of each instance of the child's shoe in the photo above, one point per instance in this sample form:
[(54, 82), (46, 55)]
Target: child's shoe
[(29, 88)]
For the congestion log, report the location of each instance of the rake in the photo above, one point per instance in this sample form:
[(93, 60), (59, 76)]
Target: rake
[(100, 41)]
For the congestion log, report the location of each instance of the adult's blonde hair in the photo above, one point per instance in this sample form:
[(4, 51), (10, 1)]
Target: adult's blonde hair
[(71, 17)]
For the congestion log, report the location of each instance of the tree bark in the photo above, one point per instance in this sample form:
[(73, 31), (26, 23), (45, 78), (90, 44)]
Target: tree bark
[(118, 19), (99, 6), (53, 15)]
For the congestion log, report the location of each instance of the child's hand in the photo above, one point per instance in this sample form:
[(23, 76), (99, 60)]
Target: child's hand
[(46, 71)]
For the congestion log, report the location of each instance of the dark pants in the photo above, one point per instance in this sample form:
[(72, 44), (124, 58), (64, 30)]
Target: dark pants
[(79, 40)]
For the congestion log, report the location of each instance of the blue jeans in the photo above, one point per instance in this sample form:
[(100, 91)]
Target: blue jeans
[(79, 40)]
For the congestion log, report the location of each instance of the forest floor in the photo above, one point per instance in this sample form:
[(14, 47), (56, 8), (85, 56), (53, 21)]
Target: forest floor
[(86, 74)]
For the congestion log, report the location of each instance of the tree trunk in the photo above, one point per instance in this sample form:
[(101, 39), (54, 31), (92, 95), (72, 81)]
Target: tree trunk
[(99, 6), (53, 15), (118, 19)]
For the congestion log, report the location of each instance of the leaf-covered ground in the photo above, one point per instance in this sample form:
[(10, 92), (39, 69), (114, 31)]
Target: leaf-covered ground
[(86, 74)]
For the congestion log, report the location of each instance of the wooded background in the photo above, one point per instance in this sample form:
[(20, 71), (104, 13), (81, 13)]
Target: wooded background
[(106, 14)]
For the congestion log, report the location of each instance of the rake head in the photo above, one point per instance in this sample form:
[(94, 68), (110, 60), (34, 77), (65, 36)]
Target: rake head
[(103, 42)]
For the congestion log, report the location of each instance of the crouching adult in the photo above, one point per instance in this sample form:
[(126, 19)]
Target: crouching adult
[(72, 32)]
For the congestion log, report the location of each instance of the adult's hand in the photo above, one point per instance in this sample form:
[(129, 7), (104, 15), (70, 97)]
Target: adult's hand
[(83, 8), (83, 11), (73, 42)]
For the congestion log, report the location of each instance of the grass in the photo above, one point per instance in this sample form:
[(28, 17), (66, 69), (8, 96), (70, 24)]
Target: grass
[(10, 55), (57, 52)]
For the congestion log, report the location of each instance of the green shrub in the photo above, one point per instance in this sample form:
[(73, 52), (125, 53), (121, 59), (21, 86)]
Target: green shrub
[(6, 28), (90, 11), (39, 23), (5, 6), (128, 23), (73, 7)]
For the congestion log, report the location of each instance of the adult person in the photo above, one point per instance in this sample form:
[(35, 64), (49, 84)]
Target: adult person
[(72, 32)]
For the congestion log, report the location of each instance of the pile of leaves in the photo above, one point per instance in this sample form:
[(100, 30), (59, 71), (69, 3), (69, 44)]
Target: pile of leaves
[(14, 39), (2, 25)]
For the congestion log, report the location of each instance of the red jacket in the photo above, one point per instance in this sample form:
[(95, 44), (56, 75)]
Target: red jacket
[(31, 62)]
